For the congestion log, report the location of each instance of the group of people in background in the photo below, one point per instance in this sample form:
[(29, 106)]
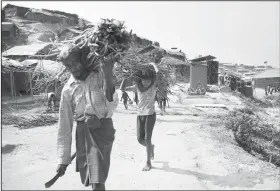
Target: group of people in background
[(270, 89)]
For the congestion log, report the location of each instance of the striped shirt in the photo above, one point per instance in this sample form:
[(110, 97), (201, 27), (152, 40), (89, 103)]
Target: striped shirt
[(79, 99)]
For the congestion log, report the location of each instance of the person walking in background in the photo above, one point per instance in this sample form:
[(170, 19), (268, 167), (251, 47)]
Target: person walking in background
[(125, 98), (162, 99), (135, 98)]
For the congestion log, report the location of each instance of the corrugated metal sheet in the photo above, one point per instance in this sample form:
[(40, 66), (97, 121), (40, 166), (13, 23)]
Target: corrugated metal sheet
[(25, 50)]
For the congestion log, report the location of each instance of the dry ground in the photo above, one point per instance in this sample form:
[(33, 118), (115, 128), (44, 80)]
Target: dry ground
[(193, 151)]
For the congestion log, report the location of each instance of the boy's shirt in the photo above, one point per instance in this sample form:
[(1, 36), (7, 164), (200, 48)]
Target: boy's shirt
[(146, 103)]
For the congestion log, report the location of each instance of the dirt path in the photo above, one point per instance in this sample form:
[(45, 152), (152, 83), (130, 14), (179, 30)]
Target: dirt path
[(193, 151)]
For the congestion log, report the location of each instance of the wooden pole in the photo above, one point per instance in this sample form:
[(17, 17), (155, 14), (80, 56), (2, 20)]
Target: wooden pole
[(30, 84), (55, 86), (11, 80), (14, 88)]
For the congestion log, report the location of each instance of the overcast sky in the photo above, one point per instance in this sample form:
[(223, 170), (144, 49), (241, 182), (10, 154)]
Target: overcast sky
[(234, 32)]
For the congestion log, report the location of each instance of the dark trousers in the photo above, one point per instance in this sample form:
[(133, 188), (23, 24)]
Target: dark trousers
[(162, 102), (145, 127), (125, 103)]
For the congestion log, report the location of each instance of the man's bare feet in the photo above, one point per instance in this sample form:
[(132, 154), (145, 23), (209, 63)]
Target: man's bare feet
[(147, 167), (153, 152)]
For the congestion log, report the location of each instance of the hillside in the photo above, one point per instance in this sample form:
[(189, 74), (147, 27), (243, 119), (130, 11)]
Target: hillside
[(36, 26)]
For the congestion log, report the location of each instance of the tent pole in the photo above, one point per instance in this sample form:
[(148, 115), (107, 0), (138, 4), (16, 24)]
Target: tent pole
[(30, 83), (14, 85), (55, 86), (11, 80)]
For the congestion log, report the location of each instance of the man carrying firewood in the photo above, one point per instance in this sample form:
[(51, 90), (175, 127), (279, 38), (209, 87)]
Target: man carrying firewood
[(146, 89), (91, 101)]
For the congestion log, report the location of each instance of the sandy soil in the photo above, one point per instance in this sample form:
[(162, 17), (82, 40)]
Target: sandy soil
[(193, 151)]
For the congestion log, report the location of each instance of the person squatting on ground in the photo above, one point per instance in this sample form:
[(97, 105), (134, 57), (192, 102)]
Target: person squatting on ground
[(85, 98), (146, 89), (51, 99), (125, 98)]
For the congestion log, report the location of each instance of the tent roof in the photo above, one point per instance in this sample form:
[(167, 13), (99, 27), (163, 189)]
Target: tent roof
[(49, 66), (26, 50), (7, 26), (203, 58), (174, 61), (9, 65), (272, 73)]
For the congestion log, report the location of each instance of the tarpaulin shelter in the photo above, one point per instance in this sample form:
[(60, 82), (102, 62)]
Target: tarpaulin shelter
[(23, 52), (44, 75), (15, 77), (268, 77)]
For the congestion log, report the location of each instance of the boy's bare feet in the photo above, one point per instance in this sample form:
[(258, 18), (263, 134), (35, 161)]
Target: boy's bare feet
[(147, 167)]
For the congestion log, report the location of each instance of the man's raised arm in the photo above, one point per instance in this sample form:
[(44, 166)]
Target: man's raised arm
[(129, 88)]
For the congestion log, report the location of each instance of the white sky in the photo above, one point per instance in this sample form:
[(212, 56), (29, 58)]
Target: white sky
[(236, 32)]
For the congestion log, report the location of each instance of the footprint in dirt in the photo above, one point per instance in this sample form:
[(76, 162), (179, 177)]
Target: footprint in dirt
[(9, 148)]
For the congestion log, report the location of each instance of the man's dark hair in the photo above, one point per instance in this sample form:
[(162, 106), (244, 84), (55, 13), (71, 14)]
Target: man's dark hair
[(69, 52), (148, 75)]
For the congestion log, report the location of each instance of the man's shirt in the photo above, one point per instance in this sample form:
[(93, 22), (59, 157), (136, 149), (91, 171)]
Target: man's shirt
[(79, 99)]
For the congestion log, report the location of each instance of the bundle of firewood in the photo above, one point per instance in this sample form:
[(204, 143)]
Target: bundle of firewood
[(107, 39), (136, 66)]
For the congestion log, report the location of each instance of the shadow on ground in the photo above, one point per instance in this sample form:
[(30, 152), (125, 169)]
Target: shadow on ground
[(8, 148), (238, 179)]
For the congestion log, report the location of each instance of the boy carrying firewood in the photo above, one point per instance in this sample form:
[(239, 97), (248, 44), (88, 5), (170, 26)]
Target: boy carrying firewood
[(146, 89)]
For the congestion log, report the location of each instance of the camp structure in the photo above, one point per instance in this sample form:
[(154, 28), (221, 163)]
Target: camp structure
[(16, 78), (15, 11), (177, 59), (68, 34), (9, 29), (212, 68), (24, 52), (267, 77), (198, 75), (44, 76)]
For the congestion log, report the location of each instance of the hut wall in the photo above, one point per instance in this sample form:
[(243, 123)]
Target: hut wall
[(212, 72), (21, 84), (13, 11), (44, 18), (198, 73), (183, 73), (263, 82)]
